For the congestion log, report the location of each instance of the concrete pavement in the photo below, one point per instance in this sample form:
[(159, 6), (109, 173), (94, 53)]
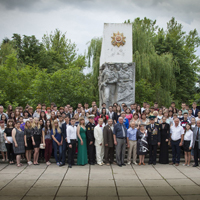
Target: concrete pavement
[(129, 182)]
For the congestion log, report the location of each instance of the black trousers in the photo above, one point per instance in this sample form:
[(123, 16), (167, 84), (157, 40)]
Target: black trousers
[(152, 153), (109, 154), (91, 153), (64, 146), (10, 152), (196, 153), (71, 152)]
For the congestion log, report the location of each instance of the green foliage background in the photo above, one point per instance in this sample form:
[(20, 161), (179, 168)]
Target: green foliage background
[(51, 70)]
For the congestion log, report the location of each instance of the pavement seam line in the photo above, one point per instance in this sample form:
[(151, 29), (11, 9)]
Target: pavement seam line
[(168, 182), (13, 178), (141, 182), (60, 184), (88, 182), (188, 176), (34, 183), (115, 182)]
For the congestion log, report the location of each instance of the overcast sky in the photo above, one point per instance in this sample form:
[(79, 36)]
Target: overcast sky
[(83, 20)]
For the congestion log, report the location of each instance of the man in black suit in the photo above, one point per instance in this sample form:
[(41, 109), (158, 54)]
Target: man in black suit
[(153, 133), (71, 113), (64, 135), (194, 109)]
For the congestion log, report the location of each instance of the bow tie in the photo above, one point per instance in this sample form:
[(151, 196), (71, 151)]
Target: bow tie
[(100, 125)]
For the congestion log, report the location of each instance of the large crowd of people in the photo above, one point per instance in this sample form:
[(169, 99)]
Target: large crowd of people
[(95, 134)]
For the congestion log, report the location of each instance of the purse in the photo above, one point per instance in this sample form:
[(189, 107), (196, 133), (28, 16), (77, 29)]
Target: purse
[(42, 146)]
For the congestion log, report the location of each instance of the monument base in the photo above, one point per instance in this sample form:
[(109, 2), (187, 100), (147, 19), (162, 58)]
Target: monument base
[(117, 83)]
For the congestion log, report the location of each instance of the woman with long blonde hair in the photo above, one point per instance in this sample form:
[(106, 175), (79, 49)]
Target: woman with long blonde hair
[(57, 141), (36, 139), (28, 131)]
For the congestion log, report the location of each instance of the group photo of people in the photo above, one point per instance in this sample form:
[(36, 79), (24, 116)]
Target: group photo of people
[(113, 134)]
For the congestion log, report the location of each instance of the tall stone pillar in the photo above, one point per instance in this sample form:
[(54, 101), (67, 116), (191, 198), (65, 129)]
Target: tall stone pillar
[(117, 71)]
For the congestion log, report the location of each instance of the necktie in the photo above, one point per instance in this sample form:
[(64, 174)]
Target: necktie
[(100, 125), (123, 131), (197, 137)]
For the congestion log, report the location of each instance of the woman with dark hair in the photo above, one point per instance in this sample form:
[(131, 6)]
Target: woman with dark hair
[(104, 120), (103, 112), (187, 145), (4, 119), (129, 116), (138, 110), (26, 118), (28, 141), (18, 143), (136, 120), (12, 116), (116, 114), (47, 141), (9, 110), (96, 117), (9, 140), (17, 114), (164, 139)]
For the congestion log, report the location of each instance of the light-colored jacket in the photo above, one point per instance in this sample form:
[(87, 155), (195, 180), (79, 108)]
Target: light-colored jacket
[(98, 135)]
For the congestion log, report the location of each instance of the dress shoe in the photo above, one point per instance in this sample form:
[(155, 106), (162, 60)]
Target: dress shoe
[(171, 163), (154, 163), (149, 163), (61, 165), (108, 164), (195, 165), (91, 163), (70, 166), (114, 163), (100, 164), (177, 164), (119, 165), (124, 164)]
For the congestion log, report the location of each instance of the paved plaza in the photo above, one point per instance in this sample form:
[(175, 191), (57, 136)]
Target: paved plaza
[(99, 182)]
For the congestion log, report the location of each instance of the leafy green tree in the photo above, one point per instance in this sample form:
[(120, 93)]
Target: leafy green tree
[(183, 47)]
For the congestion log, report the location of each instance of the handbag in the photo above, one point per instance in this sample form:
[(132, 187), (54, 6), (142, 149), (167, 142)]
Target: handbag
[(42, 146)]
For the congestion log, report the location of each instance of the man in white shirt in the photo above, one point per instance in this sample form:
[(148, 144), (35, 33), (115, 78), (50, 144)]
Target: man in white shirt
[(98, 135), (177, 136), (71, 139)]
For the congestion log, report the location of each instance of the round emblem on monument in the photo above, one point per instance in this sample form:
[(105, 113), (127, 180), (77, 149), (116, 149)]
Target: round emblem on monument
[(118, 39)]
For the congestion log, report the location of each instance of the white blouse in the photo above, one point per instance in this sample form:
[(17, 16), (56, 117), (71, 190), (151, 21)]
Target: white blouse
[(189, 137)]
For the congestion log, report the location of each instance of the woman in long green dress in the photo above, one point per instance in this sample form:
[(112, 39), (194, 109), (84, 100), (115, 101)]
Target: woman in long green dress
[(82, 143)]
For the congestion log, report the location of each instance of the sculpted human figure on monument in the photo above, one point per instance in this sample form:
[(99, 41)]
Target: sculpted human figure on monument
[(108, 80)]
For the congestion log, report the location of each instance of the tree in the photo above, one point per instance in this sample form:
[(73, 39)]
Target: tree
[(94, 51), (183, 47)]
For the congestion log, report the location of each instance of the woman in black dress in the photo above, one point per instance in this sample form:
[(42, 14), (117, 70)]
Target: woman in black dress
[(36, 138), (164, 147), (28, 131)]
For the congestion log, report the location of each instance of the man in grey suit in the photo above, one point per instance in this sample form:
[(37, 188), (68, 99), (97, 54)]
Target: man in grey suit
[(196, 143), (120, 140)]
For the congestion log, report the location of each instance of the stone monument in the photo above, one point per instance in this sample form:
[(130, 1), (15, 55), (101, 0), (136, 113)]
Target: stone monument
[(117, 71)]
